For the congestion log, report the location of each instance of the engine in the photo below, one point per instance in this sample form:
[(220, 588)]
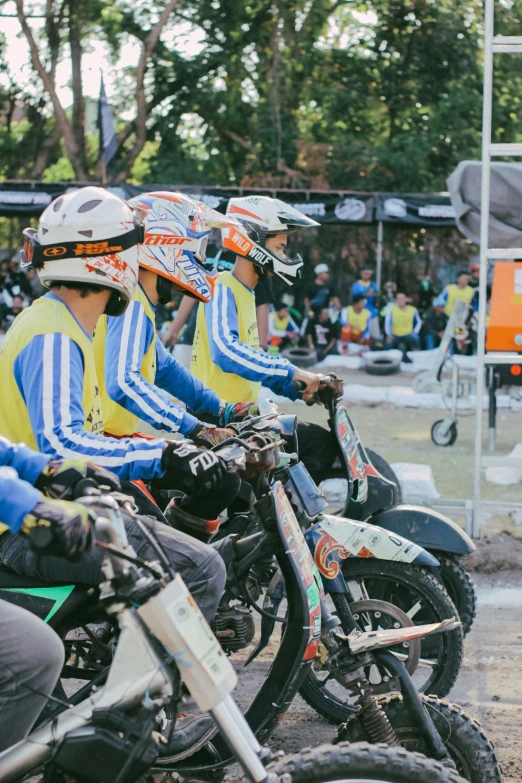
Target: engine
[(234, 628)]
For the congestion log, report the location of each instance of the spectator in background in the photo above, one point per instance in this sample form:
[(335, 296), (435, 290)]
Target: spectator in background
[(37, 289), (319, 293), (365, 287), (459, 291), (17, 282), (474, 274), (355, 321), (322, 333), (16, 308), (434, 324), (282, 329), (402, 326), (4, 271)]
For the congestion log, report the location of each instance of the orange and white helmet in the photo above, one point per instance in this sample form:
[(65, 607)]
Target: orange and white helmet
[(177, 229), (87, 236), (261, 217)]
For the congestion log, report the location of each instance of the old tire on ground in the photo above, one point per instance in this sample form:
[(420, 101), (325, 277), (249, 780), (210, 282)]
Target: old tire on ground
[(381, 363), (362, 762), (460, 587), (385, 469), (468, 746), (301, 357)]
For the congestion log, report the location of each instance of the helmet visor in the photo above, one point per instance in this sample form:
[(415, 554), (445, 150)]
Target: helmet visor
[(195, 245)]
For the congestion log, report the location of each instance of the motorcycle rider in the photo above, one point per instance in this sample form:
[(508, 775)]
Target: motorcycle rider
[(226, 353), (51, 399), (31, 653), (132, 365)]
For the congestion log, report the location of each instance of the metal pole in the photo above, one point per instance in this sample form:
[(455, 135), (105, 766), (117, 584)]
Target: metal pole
[(378, 276), (484, 244)]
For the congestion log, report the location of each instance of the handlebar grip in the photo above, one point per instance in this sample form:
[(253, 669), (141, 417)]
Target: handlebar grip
[(298, 385)]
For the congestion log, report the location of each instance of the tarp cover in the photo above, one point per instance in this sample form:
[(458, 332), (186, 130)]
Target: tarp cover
[(505, 217)]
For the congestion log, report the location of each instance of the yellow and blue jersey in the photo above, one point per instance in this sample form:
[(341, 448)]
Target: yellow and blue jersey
[(452, 293), (400, 322), (137, 370), (361, 320), (226, 356), (51, 398), (20, 467)]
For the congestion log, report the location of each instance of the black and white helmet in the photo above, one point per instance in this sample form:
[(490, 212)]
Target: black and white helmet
[(259, 218)]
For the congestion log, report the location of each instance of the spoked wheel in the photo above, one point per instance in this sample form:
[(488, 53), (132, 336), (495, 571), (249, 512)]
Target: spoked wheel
[(468, 746), (362, 763), (422, 597), (327, 696)]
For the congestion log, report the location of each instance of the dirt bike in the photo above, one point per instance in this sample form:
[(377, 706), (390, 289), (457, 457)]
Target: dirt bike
[(168, 659), (368, 489), (307, 625)]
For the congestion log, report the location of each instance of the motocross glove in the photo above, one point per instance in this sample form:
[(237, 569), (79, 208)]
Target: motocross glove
[(203, 470), (59, 527), (67, 478), (207, 435), (237, 411)]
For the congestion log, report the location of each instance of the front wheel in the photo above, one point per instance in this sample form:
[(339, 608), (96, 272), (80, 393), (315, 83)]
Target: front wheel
[(362, 762), (444, 434), (468, 746), (424, 599)]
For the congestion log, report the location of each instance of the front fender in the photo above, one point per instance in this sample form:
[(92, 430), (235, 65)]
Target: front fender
[(334, 539), (425, 527)]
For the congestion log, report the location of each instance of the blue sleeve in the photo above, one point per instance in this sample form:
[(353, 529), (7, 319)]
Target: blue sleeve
[(178, 381), (292, 326), (49, 374), (282, 386), (417, 322), (366, 332), (128, 339), (27, 463), (444, 295), (227, 350), (358, 289), (388, 322), (17, 498)]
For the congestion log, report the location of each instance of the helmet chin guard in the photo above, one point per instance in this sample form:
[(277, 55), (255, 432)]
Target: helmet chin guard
[(261, 217)]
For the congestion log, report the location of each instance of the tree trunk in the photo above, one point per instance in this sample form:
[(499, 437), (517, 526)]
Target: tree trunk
[(141, 100), (73, 153), (78, 107)]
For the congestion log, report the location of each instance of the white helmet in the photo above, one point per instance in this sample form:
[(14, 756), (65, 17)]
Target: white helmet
[(87, 236), (177, 229), (262, 216)]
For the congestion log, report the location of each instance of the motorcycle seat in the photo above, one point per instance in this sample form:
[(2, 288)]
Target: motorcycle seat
[(10, 579)]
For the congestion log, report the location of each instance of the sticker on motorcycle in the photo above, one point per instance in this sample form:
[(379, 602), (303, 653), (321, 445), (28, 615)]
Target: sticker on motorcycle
[(349, 443), (358, 539), (299, 552)]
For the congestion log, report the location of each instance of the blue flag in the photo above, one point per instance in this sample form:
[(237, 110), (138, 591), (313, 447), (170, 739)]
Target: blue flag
[(108, 142)]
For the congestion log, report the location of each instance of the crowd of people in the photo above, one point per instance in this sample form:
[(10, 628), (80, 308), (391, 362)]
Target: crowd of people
[(320, 322), (17, 290)]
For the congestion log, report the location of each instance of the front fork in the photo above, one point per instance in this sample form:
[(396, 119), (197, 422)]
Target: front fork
[(348, 670)]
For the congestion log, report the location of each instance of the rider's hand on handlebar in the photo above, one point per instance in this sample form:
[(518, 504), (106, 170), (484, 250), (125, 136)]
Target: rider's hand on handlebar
[(206, 435), (312, 382), (238, 412), (59, 527), (67, 478), (202, 469)]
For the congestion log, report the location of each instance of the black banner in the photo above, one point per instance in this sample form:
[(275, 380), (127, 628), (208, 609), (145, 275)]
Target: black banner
[(422, 209)]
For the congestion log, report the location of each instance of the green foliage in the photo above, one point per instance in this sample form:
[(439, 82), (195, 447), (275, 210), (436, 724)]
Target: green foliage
[(374, 95)]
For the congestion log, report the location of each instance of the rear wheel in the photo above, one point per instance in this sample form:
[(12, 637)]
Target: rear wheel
[(468, 746), (362, 762), (460, 587)]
